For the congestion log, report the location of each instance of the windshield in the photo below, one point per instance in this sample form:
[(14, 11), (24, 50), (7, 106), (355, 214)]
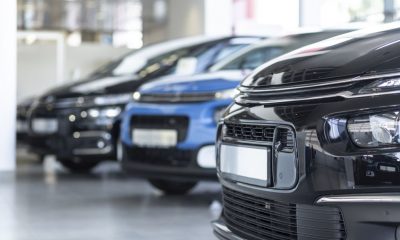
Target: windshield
[(205, 55), (139, 63), (256, 56), (133, 62), (253, 58)]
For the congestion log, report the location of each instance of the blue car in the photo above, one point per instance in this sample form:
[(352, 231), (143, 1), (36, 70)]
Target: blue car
[(168, 133)]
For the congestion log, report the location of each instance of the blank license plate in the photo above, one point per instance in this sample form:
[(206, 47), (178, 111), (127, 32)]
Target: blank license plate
[(155, 137), (44, 125), (245, 164)]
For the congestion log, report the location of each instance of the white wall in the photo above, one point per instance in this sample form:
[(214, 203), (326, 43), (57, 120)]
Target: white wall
[(37, 64), (188, 18), (185, 18), (218, 17), (8, 36)]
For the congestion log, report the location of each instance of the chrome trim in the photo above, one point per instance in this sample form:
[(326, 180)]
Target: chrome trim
[(93, 151), (344, 95), (359, 199), (245, 89), (90, 134), (176, 98), (223, 232)]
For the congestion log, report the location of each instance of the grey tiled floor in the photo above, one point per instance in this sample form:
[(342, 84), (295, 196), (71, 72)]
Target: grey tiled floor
[(103, 205)]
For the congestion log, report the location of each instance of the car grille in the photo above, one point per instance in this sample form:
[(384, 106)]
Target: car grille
[(293, 90), (174, 98), (250, 132), (262, 133), (258, 218), (179, 123), (161, 157)]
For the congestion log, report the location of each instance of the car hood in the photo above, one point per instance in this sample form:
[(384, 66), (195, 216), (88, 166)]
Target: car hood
[(200, 83), (359, 53), (95, 86)]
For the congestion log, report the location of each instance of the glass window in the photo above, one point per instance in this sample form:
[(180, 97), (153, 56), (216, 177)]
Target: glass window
[(254, 58)]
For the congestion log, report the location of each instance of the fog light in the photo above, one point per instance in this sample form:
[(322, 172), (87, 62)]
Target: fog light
[(72, 118), (101, 144), (375, 130), (206, 157)]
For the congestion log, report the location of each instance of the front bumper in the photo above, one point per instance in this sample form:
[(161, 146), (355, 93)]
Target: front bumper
[(79, 135), (364, 220), (189, 158), (346, 216), (330, 174), (221, 231)]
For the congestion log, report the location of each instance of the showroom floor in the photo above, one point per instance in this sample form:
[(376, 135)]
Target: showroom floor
[(103, 205)]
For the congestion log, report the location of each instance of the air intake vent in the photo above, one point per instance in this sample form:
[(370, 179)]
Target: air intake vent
[(286, 138), (250, 132), (257, 218)]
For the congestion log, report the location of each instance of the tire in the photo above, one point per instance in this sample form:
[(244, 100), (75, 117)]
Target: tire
[(78, 165), (172, 187)]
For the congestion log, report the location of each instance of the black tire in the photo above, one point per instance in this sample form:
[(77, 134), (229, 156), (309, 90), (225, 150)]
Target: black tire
[(78, 166), (169, 187)]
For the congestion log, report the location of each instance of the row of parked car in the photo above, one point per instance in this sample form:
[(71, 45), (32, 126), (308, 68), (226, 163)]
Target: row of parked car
[(307, 149)]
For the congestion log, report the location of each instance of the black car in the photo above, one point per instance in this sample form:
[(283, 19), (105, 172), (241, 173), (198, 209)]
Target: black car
[(311, 147), (79, 122), (22, 120)]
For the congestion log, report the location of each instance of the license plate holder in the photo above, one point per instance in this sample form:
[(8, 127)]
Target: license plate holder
[(45, 125), (246, 164), (160, 138)]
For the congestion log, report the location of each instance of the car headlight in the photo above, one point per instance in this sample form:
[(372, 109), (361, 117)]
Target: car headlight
[(136, 96), (106, 112), (382, 85), (113, 99), (375, 130), (227, 94)]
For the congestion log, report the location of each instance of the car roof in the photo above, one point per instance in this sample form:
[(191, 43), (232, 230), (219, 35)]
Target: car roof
[(277, 41)]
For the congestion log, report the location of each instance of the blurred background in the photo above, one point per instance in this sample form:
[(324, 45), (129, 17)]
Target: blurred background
[(49, 43), (74, 37)]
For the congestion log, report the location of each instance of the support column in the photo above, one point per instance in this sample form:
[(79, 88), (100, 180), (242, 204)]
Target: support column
[(186, 18), (310, 13), (389, 10), (8, 89)]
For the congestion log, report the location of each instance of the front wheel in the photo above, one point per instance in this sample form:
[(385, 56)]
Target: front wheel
[(78, 165), (172, 187)]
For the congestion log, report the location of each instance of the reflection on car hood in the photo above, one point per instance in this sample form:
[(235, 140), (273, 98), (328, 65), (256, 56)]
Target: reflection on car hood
[(207, 82), (349, 55), (95, 86)]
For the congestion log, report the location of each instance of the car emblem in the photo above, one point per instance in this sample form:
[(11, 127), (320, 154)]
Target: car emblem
[(267, 205)]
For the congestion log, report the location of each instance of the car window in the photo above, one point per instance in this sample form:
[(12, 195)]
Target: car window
[(254, 58), (167, 62), (228, 50), (162, 62)]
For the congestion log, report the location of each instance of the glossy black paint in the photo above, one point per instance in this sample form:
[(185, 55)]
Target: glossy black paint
[(329, 163)]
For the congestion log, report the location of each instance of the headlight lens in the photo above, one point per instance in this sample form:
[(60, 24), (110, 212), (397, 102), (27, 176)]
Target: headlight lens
[(383, 85), (227, 94), (375, 130), (113, 99), (136, 96), (106, 112)]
